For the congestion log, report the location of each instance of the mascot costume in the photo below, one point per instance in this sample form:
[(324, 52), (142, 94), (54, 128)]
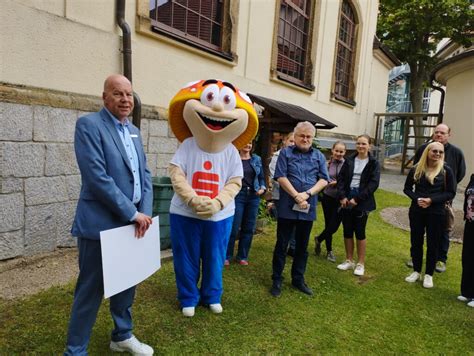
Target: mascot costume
[(211, 119)]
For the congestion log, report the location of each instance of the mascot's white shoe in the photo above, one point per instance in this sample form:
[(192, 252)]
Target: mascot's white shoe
[(216, 308), (188, 311)]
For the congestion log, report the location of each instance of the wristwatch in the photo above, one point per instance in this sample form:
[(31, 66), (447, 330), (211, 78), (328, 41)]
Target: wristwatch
[(309, 192)]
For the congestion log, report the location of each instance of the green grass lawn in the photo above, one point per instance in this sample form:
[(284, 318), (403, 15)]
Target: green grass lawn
[(377, 314)]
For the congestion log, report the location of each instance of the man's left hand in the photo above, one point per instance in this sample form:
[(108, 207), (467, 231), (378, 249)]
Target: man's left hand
[(301, 197), (142, 223)]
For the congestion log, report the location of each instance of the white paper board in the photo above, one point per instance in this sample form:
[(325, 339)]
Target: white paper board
[(126, 260)]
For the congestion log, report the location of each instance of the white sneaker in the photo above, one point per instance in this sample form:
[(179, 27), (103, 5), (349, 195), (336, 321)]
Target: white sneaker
[(471, 303), (412, 278), (188, 311), (462, 298), (428, 281), (132, 346), (346, 265), (216, 308), (359, 269)]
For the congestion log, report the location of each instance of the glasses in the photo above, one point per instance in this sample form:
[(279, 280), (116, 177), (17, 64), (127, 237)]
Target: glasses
[(441, 133), (437, 152), (308, 137)]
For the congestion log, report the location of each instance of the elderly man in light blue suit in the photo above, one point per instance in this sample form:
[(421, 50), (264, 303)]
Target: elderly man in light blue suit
[(116, 191)]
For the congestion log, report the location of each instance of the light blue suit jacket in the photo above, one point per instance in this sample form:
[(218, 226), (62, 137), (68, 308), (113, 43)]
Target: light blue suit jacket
[(105, 201)]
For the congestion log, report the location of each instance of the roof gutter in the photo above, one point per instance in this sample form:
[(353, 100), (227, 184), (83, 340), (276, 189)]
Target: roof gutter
[(441, 102), (127, 57)]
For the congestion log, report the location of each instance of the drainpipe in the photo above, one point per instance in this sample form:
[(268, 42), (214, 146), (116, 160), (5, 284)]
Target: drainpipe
[(127, 57), (441, 102)]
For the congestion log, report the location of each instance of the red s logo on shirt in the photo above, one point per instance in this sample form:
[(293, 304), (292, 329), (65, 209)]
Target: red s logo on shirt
[(204, 183)]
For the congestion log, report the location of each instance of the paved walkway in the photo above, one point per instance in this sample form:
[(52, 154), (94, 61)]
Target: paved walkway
[(393, 181)]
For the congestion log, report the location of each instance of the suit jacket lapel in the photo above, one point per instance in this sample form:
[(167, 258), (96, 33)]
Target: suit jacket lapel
[(109, 123)]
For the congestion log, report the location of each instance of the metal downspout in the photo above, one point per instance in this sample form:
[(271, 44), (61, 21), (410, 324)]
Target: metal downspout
[(441, 102), (127, 57)]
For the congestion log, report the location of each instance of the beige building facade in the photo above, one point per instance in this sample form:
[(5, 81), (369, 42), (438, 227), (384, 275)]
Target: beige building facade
[(456, 73), (72, 45), (55, 54)]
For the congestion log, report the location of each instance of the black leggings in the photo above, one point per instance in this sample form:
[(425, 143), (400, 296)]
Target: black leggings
[(354, 222), (433, 224), (332, 219)]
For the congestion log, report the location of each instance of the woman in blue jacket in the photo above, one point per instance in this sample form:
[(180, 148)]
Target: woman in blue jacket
[(246, 205), (357, 182)]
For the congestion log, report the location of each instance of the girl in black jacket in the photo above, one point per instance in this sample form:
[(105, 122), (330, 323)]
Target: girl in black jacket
[(429, 184), (358, 180)]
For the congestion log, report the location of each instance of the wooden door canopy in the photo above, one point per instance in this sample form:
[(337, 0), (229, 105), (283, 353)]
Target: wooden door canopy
[(282, 112)]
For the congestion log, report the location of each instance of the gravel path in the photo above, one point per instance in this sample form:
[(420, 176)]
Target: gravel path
[(24, 276)]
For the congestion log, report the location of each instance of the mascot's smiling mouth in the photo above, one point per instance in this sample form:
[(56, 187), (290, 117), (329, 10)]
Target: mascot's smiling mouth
[(214, 123)]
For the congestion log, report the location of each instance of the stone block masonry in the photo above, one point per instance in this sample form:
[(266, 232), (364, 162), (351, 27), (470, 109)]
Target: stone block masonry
[(39, 178)]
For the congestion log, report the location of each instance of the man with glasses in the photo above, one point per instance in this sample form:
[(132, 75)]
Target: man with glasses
[(301, 172), (454, 158)]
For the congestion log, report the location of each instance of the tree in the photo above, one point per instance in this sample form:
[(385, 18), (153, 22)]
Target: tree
[(413, 28)]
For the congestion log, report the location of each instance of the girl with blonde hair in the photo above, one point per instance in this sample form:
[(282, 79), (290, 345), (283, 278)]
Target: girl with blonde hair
[(429, 185)]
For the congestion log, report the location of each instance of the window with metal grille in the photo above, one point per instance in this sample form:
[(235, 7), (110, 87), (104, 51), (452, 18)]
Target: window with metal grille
[(346, 48), (199, 22), (292, 40)]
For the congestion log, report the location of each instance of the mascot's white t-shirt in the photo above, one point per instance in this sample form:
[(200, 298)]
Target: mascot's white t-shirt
[(207, 173)]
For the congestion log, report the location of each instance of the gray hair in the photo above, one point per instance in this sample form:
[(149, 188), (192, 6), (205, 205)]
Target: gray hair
[(305, 125)]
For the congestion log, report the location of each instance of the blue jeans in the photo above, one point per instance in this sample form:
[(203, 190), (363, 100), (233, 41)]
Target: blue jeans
[(245, 219)]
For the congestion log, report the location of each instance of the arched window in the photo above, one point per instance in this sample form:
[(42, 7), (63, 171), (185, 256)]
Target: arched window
[(344, 83), (293, 40)]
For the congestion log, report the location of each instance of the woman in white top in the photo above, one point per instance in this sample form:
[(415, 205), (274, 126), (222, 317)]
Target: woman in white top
[(357, 182)]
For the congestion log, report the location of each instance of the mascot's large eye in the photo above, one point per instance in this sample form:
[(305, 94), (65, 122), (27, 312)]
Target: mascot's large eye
[(210, 95), (227, 98)]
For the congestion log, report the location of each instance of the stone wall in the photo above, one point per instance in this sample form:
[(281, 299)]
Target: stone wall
[(39, 176)]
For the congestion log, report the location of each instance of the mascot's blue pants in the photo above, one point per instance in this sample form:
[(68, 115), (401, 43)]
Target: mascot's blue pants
[(194, 240)]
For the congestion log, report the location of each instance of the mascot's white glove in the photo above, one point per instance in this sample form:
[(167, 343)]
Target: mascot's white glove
[(198, 202), (203, 206), (208, 208)]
